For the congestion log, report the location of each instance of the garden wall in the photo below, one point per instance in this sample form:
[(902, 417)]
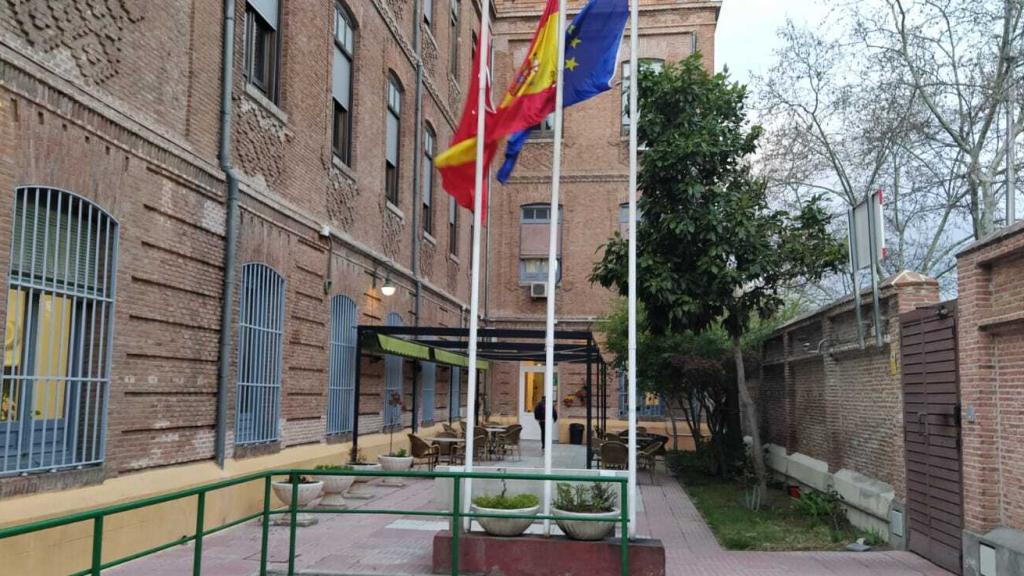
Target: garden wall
[(831, 412)]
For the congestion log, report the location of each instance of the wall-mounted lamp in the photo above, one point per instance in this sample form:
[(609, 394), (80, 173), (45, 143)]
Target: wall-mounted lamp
[(388, 288)]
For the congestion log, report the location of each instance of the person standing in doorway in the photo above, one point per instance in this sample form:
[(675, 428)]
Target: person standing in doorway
[(538, 414)]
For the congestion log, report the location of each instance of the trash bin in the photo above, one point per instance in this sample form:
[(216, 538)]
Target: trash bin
[(575, 433)]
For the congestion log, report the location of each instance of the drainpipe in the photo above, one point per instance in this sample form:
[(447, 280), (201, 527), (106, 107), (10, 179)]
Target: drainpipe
[(417, 200), (230, 230)]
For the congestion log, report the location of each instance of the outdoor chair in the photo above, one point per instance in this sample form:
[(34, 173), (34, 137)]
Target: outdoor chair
[(449, 429), (423, 453), (647, 459), (595, 449), (446, 449), (614, 456), (508, 441)]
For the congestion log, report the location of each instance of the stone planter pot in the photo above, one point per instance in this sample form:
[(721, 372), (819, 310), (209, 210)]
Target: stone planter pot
[(395, 463), (334, 489), (584, 529), (307, 494), (363, 467), (505, 526)]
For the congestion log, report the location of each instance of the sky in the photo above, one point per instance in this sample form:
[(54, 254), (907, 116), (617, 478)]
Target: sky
[(747, 32)]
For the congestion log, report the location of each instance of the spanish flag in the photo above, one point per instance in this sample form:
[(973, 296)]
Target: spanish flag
[(457, 164), (529, 99)]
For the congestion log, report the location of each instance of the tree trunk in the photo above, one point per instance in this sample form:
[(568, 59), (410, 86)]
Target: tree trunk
[(750, 411), (672, 420)]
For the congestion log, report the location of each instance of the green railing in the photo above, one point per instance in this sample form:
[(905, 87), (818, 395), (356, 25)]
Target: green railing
[(97, 565)]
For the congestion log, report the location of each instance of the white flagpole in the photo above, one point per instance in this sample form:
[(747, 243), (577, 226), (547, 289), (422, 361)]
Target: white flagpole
[(549, 337), (474, 282), (634, 115)]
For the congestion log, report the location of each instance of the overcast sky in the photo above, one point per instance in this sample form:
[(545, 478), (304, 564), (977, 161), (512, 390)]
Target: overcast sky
[(746, 31)]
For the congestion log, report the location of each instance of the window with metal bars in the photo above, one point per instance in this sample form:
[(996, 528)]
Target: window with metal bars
[(342, 370), (428, 383), (651, 406), (393, 376), (341, 84), (60, 314), (260, 334), (455, 394)]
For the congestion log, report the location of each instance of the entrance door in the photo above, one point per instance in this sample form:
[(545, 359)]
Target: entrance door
[(931, 426), (531, 390)]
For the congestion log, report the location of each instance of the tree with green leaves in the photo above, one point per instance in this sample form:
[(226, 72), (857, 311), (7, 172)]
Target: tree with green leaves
[(710, 248)]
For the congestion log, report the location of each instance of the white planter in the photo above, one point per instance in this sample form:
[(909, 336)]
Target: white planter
[(395, 463), (364, 467), (334, 488), (505, 526), (307, 493), (584, 529)]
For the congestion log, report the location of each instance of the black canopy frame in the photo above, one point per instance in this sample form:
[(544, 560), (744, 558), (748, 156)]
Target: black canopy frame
[(497, 345)]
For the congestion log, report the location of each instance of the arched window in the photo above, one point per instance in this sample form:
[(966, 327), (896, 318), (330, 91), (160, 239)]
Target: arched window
[(260, 335), (60, 314), (392, 152), (393, 376), (534, 231), (341, 83), (341, 374), (427, 177)]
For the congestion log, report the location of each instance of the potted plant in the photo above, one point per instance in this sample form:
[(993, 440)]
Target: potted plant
[(568, 400), (595, 500), (358, 462), (309, 490), (395, 460), (517, 504), (334, 486)]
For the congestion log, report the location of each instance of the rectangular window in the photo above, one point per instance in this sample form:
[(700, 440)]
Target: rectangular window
[(653, 64), (342, 369), (392, 148), (261, 45), (428, 12), (546, 127), (341, 85), (624, 218), (453, 39), (455, 394), (534, 237), (427, 178), (428, 378), (260, 336), (453, 227), (651, 405), (393, 379), (60, 311)]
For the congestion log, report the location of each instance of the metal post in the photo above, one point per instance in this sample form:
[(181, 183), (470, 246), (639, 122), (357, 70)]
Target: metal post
[(416, 368), (1011, 129), (854, 276), (97, 546), (634, 116), (590, 410), (292, 507), (355, 392), (555, 218), (265, 535), (456, 522), (624, 530), (873, 248), (197, 557)]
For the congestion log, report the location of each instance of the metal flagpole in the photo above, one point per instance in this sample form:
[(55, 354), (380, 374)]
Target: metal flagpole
[(634, 115), (474, 297), (549, 337)]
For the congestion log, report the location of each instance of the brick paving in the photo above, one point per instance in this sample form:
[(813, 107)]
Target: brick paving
[(355, 544)]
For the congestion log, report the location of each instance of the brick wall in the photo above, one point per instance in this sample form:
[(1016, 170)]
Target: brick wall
[(823, 396), (991, 342)]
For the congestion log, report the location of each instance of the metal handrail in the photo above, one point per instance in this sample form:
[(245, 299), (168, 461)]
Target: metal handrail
[(97, 566)]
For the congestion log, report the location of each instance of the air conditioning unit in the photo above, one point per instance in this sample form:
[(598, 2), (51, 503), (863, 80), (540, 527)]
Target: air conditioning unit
[(538, 290)]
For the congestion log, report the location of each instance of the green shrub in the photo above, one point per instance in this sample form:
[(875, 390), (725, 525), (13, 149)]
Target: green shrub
[(824, 507), (504, 502), (332, 467), (400, 453), (598, 497)]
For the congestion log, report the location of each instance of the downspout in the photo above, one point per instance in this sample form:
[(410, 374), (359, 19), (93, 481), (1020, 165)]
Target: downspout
[(417, 200), (230, 230)]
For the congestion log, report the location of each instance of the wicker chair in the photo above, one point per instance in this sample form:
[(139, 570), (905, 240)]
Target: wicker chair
[(423, 453), (647, 459), (445, 447), (614, 456), (479, 450), (449, 429), (507, 442)]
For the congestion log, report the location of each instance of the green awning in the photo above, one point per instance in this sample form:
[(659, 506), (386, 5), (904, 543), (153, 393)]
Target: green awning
[(404, 348), (453, 359), (416, 351)]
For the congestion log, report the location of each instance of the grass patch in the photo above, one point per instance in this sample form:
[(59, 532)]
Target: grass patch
[(778, 526)]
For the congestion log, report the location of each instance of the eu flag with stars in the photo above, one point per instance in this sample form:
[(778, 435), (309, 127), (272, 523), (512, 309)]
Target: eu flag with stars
[(591, 55)]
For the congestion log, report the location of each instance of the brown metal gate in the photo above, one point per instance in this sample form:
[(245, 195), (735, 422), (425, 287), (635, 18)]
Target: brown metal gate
[(931, 425)]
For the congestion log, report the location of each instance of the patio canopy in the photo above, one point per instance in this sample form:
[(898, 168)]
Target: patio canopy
[(448, 346)]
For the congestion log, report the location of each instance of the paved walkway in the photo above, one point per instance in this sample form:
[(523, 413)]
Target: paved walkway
[(355, 544)]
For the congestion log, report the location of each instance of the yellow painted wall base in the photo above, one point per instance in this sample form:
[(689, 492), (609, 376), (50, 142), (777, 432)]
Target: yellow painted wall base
[(138, 530)]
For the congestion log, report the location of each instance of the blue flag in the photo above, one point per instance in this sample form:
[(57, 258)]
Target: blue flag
[(591, 54)]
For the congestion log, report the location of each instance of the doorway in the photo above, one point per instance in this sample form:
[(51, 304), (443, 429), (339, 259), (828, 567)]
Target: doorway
[(531, 390)]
